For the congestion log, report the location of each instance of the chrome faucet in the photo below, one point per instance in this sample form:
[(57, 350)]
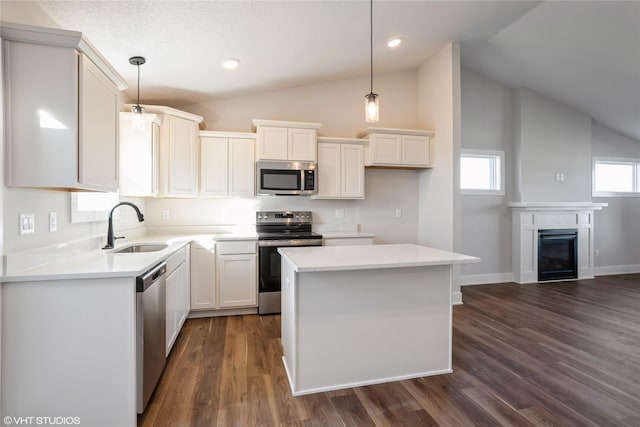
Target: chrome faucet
[(110, 238)]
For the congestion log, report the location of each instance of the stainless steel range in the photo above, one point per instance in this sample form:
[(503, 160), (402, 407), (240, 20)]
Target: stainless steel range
[(276, 230)]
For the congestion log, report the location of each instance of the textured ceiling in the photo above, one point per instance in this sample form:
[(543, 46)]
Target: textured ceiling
[(279, 43), (584, 54)]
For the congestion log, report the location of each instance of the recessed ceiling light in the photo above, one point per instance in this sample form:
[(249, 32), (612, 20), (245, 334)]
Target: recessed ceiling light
[(394, 42), (230, 64)]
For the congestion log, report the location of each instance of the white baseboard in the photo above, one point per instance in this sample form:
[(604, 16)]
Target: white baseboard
[(608, 270), (485, 279), (456, 298)]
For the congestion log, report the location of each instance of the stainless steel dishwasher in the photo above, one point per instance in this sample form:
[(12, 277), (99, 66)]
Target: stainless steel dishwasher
[(151, 326)]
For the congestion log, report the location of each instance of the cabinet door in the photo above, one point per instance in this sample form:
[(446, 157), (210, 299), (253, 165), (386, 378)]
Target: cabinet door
[(272, 143), (203, 276), (242, 170), (172, 310), (138, 158), (183, 155), (41, 115), (98, 144), (328, 173), (176, 304), (237, 280), (352, 172), (415, 150), (214, 167), (302, 145), (385, 149)]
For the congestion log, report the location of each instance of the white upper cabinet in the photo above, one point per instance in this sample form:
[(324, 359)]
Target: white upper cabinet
[(139, 156), (178, 160), (398, 147), (340, 168), (227, 165), (279, 140), (61, 110)]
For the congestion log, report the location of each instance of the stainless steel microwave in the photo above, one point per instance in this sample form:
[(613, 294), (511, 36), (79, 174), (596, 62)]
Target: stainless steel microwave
[(284, 178)]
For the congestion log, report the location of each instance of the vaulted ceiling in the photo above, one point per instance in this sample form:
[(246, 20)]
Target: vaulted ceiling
[(584, 54)]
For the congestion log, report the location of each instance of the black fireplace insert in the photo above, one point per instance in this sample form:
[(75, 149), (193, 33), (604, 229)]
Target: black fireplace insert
[(557, 254)]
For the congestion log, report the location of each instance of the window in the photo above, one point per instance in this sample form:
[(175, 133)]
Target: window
[(90, 207), (482, 172), (616, 177)]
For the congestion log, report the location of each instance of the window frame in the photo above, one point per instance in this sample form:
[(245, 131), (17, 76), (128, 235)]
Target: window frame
[(498, 157), (622, 160)]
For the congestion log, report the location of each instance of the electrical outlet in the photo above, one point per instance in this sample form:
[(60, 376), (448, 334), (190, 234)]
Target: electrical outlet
[(53, 221), (339, 213), (398, 213), (27, 223), (597, 252), (166, 215)]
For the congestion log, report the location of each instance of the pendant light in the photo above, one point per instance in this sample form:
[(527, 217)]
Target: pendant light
[(371, 102), (138, 120)]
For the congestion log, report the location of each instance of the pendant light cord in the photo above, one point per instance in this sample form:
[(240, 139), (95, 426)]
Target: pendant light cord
[(138, 85), (371, 41)]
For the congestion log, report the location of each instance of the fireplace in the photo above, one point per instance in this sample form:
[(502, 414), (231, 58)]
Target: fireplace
[(557, 254), (531, 218)]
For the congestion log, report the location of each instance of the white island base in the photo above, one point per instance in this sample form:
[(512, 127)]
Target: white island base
[(354, 316)]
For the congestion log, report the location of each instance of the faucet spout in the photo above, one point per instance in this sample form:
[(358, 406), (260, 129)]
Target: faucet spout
[(110, 237)]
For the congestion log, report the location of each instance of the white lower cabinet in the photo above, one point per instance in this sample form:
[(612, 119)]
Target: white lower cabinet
[(237, 279), (203, 275), (223, 275), (178, 299)]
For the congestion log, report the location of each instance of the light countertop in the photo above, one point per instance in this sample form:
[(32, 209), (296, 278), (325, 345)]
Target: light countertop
[(346, 234), (339, 258), (100, 263)]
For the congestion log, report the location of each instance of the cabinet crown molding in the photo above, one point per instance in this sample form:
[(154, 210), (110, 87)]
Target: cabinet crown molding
[(163, 109), (63, 38), (285, 124), (226, 134), (341, 140), (370, 130)]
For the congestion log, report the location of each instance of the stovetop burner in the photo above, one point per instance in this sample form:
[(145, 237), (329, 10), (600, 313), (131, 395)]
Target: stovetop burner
[(280, 225)]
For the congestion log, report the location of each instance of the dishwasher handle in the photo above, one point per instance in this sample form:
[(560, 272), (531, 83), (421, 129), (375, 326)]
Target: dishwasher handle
[(150, 277)]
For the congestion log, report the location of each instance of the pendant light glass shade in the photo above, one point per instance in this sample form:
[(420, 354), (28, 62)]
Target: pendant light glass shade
[(371, 108), (138, 120), (371, 101)]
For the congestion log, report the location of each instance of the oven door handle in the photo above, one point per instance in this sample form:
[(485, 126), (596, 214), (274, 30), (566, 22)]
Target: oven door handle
[(283, 243)]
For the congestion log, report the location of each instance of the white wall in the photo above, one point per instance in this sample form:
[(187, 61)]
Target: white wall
[(550, 138), (617, 231), (487, 121), (439, 110), (337, 105), (375, 214)]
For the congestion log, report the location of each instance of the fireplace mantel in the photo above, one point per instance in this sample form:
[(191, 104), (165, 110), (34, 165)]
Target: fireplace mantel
[(529, 217), (556, 206)]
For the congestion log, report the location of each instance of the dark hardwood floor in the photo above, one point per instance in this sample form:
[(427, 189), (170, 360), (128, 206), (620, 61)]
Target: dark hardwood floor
[(563, 354)]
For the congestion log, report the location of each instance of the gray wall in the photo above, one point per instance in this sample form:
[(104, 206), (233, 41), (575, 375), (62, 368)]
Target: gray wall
[(540, 137), (550, 138), (617, 231), (486, 220)]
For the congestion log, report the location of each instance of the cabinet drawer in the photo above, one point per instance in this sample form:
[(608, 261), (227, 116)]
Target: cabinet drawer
[(176, 259), (229, 248)]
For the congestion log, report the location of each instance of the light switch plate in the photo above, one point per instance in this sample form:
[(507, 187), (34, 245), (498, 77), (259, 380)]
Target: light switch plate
[(27, 223), (53, 221)]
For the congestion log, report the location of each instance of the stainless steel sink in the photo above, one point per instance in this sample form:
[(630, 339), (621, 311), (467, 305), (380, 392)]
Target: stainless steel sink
[(140, 248)]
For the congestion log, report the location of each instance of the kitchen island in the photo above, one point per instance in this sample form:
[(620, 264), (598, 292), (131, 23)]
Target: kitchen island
[(358, 315)]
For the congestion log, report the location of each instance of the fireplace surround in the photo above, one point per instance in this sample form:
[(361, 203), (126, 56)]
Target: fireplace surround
[(528, 218)]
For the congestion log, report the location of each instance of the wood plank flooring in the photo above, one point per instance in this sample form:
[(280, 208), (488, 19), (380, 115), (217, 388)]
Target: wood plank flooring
[(557, 354)]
